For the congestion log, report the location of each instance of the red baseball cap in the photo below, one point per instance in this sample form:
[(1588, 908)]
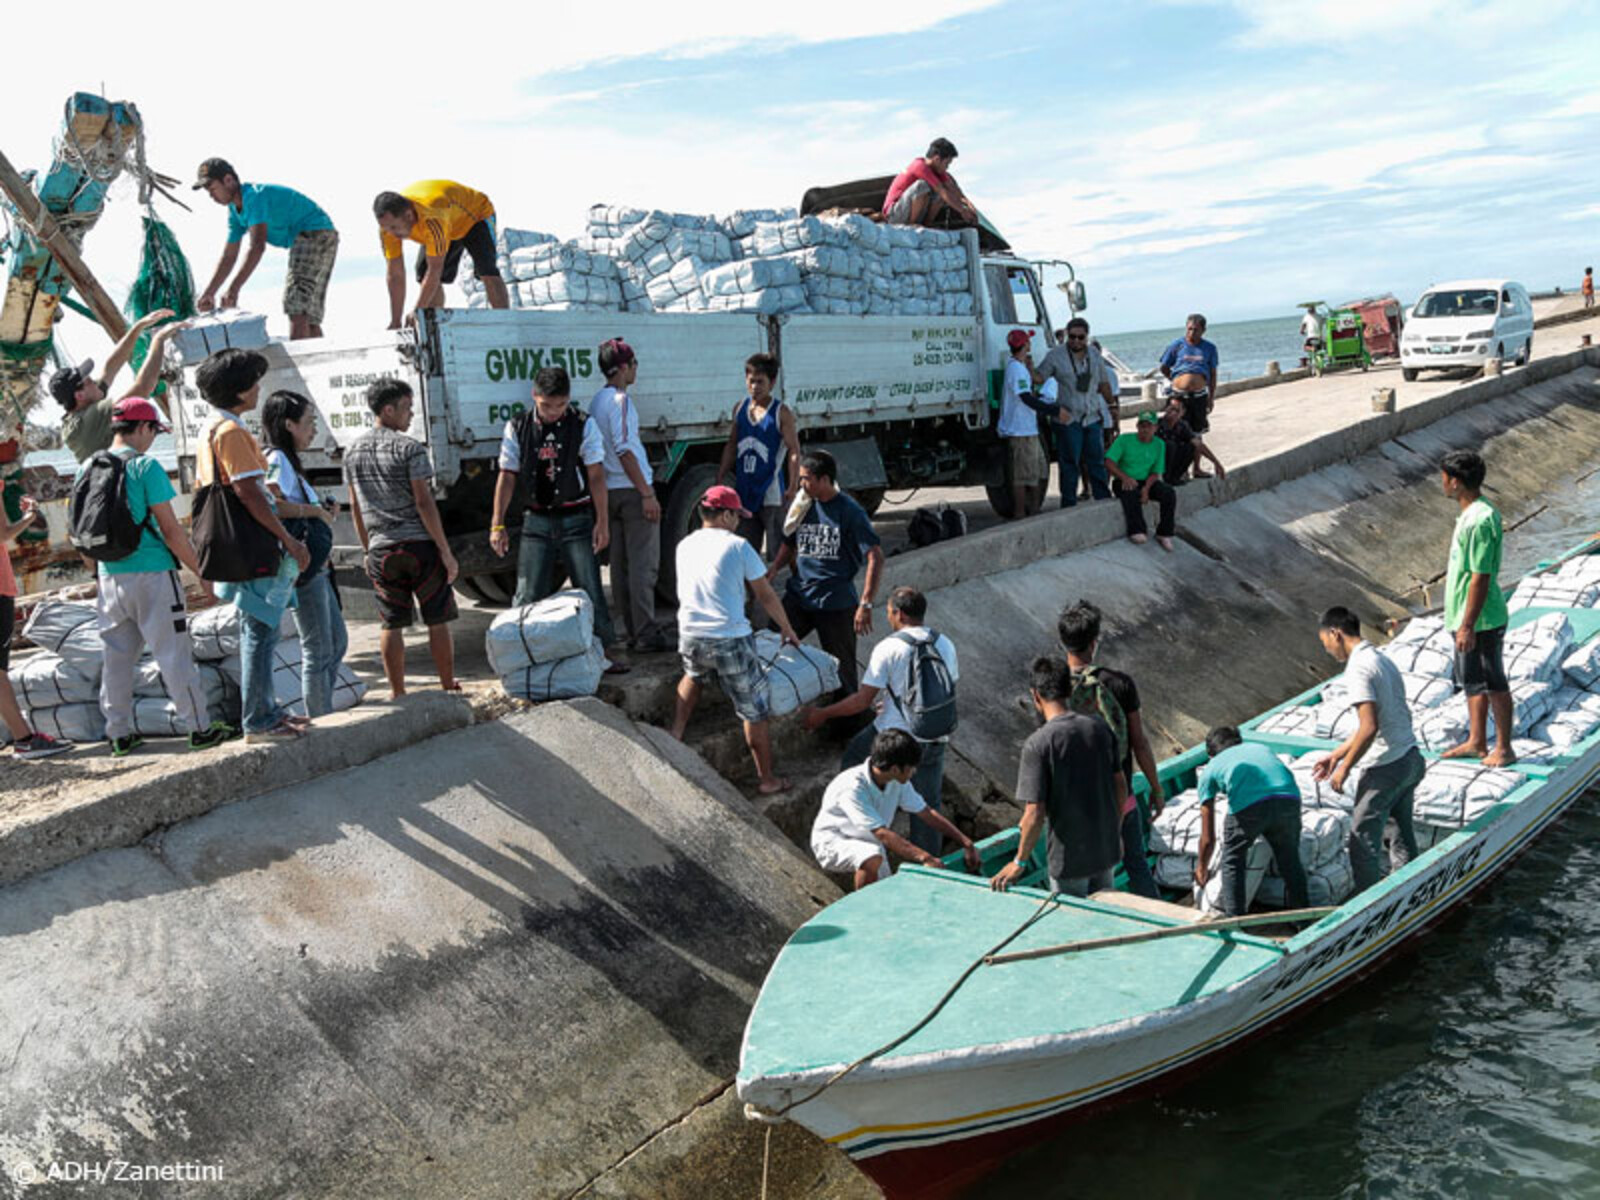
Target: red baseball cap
[(137, 408), (1018, 338), (724, 499)]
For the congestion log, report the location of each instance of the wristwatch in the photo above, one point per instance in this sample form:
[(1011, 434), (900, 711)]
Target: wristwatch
[(865, 604)]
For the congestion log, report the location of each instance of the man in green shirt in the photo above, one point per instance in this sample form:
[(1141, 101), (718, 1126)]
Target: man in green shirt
[(86, 423), (1136, 462), (1475, 611)]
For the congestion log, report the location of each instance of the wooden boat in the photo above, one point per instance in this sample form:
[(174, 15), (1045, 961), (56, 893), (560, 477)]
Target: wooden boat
[(1023, 1048)]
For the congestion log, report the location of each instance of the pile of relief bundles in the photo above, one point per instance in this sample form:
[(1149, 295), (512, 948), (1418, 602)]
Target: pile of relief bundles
[(660, 255), (1456, 791), (1175, 839), (1573, 718), (1574, 584), (796, 675), (547, 650), (214, 638)]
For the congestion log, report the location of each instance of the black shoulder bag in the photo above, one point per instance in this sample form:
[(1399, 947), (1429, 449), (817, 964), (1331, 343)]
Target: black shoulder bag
[(232, 546)]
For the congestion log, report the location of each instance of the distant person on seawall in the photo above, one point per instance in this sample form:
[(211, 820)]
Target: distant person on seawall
[(1588, 287), (1191, 364)]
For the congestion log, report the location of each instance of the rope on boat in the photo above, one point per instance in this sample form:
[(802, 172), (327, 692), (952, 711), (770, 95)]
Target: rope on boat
[(755, 1113)]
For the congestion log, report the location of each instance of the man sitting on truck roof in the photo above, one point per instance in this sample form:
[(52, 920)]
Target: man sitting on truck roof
[(925, 193), (446, 218), (272, 216)]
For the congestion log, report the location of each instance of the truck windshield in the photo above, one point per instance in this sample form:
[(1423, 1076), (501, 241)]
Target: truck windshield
[(1470, 302)]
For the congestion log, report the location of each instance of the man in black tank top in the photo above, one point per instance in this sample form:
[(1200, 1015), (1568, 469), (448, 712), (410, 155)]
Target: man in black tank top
[(557, 454)]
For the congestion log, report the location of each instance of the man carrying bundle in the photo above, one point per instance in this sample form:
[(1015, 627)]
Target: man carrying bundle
[(1263, 801)]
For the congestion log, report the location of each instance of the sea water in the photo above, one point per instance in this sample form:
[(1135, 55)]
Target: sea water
[(1469, 1068), (1243, 347)]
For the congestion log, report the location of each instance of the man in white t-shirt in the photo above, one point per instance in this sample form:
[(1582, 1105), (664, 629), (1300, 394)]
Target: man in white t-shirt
[(853, 831), (885, 688), (630, 500), (1019, 428), (1385, 738), (715, 566)]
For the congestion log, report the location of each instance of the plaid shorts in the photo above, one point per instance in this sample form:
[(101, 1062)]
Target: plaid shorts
[(305, 286), (737, 667)]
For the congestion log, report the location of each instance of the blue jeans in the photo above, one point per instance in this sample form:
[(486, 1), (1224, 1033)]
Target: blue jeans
[(323, 641), (569, 538), (257, 640), (1077, 443), (929, 782)]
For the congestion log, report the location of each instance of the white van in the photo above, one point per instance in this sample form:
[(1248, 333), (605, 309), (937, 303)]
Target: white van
[(1466, 323)]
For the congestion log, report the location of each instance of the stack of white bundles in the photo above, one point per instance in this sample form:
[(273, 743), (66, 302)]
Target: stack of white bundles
[(1535, 650), (1336, 718), (679, 289), (561, 679), (204, 336), (59, 692), (1175, 839), (780, 237), (288, 675), (559, 626), (568, 292), (73, 722), (612, 221), (796, 675), (1424, 647), (709, 247), (634, 297), (742, 222), (1574, 584), (557, 258), (214, 632), (1441, 728), (70, 630), (1532, 750), (1325, 857), (1319, 794), (221, 693), (508, 241), (1454, 792), (1209, 898), (1298, 720), (769, 301), (1425, 691), (1445, 726), (1582, 667), (1574, 716)]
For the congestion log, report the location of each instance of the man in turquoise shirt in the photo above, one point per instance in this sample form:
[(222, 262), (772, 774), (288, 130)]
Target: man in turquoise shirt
[(1263, 801), (141, 601), (272, 216), (1475, 611)]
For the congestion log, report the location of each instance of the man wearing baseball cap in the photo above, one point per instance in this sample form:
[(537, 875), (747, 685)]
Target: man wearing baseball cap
[(141, 597), (272, 216), (86, 420), (715, 566), (1019, 428), (1136, 462)]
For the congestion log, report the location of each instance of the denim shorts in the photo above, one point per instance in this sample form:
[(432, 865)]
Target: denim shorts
[(737, 667)]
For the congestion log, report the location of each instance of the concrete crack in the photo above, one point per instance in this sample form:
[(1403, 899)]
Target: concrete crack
[(709, 1098)]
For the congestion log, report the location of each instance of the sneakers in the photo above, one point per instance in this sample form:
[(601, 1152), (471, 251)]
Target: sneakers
[(283, 731), (41, 745), (219, 732), (123, 746)]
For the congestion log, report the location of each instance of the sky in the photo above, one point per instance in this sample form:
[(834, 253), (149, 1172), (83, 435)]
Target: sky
[(1228, 156)]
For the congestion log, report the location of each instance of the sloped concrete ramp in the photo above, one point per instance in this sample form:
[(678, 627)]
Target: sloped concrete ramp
[(514, 960)]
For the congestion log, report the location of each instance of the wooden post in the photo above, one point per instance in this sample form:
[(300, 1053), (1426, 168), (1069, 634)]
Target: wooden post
[(1293, 916), (44, 227)]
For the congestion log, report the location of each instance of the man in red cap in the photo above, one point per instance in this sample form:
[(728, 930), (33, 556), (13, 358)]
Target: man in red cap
[(141, 598), (630, 500), (1019, 428), (715, 566)]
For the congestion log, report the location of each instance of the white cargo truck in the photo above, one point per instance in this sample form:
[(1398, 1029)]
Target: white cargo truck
[(901, 401)]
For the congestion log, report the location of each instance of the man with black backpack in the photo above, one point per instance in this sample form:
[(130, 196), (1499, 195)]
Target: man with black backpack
[(911, 679), (121, 515)]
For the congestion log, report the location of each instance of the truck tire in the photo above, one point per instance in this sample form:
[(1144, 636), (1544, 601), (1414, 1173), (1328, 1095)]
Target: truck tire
[(497, 587), (678, 520), (870, 499), (1409, 374)]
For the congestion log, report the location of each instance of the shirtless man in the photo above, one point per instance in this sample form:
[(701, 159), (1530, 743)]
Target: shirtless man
[(1191, 364)]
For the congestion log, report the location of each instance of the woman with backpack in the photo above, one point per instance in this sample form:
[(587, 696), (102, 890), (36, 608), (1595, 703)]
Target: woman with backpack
[(289, 424)]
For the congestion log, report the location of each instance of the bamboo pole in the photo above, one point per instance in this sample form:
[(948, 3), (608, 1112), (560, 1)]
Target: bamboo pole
[(1291, 916), (44, 227)]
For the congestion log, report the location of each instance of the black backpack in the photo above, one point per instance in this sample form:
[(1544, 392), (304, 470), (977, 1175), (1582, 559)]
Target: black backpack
[(99, 521), (930, 525), (930, 704)]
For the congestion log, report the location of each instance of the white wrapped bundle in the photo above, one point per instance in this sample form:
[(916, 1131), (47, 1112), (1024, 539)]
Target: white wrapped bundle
[(777, 237), (864, 232), (741, 223), (1432, 655), (709, 246), (214, 632), (795, 675), (559, 626), (508, 241), (1176, 829), (957, 279), (1336, 719), (1209, 899), (677, 285), (568, 288), (910, 262), (958, 305), (153, 717), (1425, 691), (203, 336), (1584, 566), (1439, 729), (1453, 792), (1554, 591), (1419, 629), (750, 275), (834, 287), (1582, 666), (827, 260), (1324, 838), (71, 631), (148, 684), (1535, 650), (1330, 883), (1574, 716), (559, 680), (769, 300), (1568, 699), (1320, 795), (46, 680), (557, 258), (348, 690), (74, 722), (1531, 700), (1174, 871), (1295, 721), (613, 220), (1532, 750)]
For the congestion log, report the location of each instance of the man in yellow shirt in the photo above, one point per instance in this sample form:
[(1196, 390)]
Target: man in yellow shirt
[(446, 218)]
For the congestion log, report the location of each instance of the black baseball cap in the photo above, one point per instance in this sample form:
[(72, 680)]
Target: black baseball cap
[(64, 384), (213, 169)]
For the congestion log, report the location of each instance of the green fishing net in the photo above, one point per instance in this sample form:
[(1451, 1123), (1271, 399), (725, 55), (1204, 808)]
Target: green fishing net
[(164, 281)]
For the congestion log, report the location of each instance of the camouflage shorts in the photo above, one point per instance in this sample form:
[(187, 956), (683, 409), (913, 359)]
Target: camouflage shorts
[(305, 287)]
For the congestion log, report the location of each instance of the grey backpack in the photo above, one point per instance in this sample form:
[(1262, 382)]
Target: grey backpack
[(930, 702)]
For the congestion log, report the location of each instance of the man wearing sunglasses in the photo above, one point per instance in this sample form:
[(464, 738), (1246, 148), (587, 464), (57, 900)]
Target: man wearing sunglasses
[(1081, 380)]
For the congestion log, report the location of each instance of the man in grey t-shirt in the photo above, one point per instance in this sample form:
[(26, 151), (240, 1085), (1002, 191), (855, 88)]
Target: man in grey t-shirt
[(1383, 734)]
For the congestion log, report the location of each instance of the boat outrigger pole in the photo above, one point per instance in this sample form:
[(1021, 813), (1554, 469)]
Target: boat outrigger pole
[(1222, 925)]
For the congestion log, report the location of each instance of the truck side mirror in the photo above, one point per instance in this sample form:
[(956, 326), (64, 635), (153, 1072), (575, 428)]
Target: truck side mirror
[(1077, 297)]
